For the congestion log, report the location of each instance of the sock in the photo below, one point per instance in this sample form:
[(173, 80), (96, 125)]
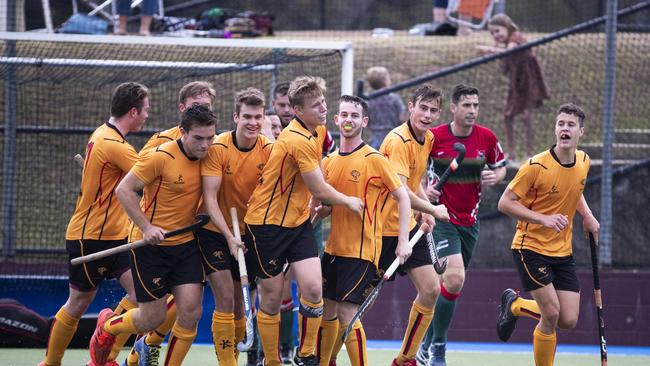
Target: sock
[(338, 342), (223, 337), (132, 358), (544, 348), (156, 337), (122, 324), (419, 320), (327, 333), (240, 333), (124, 306), (355, 344), (269, 330), (523, 307), (61, 333), (180, 342), (445, 307), (428, 336), (286, 323), (309, 319)]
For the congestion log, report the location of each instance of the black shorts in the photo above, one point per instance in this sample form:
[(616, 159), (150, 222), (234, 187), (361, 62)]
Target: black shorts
[(157, 269), (538, 270), (347, 279), (419, 257), (216, 256), (271, 246), (87, 276)]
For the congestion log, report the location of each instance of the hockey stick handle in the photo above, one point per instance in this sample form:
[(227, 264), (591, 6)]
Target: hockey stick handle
[(243, 277), (452, 166), (80, 160), (241, 261), (598, 299), (393, 266), (202, 219)]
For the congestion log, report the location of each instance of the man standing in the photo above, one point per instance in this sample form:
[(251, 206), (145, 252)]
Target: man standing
[(99, 222), (170, 177), (461, 195), (544, 197), (407, 148), (278, 220), (349, 264)]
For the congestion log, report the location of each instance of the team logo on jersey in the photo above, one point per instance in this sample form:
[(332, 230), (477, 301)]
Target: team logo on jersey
[(228, 171), (480, 154), (102, 270), (583, 181), (554, 190), (179, 180), (260, 166), (355, 175), (218, 254)]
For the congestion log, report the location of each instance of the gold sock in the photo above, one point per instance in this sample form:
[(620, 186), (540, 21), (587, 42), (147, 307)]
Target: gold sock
[(419, 320), (61, 333), (329, 329), (240, 333), (156, 337), (179, 344), (309, 318), (124, 306), (268, 327), (122, 324), (338, 344), (544, 348), (223, 337), (355, 344), (132, 358), (523, 307)]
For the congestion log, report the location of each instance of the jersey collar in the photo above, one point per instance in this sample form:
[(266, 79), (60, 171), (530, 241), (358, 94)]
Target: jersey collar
[(234, 142), (408, 123), (361, 145), (110, 125), (180, 146), (570, 165), (305, 126)]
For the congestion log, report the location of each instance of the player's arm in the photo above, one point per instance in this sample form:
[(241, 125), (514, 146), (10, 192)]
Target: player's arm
[(491, 177), (420, 202), (509, 204), (325, 193), (127, 194), (211, 185), (589, 222), (403, 250)]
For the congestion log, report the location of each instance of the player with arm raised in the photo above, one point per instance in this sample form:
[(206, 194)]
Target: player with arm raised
[(277, 220), (349, 264), (170, 177), (407, 148), (230, 173), (544, 197), (461, 195), (99, 222)]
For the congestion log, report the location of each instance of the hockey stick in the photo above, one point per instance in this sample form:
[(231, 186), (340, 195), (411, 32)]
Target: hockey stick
[(367, 303), (441, 265), (243, 275), (201, 220), (79, 159), (598, 301)]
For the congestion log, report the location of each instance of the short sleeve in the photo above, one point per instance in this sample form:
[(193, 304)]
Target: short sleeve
[(212, 165), (395, 152), (149, 166), (387, 174), (306, 154), (524, 180), (495, 156), (123, 155)]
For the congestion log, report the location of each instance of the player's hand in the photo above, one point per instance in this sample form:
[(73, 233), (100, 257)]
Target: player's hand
[(488, 177), (403, 251), (484, 50), (556, 222), (428, 223), (441, 213), (355, 204), (153, 235), (432, 194), (234, 245), (319, 212), (591, 225)]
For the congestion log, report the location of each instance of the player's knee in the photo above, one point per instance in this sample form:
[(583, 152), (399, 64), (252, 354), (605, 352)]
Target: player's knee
[(225, 303), (189, 317), (431, 290), (312, 292), (454, 281), (551, 317), (568, 322), (78, 303), (150, 320)]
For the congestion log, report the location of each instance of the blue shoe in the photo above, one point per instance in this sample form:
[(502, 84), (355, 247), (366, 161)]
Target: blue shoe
[(147, 354), (423, 355)]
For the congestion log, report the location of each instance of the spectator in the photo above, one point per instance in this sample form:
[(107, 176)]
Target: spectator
[(527, 89), (387, 111), (148, 9)]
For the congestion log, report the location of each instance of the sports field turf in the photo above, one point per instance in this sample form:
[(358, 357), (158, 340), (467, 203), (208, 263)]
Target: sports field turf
[(499, 356)]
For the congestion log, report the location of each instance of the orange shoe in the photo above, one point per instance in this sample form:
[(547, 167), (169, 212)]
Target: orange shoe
[(101, 342)]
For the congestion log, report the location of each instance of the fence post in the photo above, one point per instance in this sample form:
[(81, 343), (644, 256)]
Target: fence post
[(609, 93), (9, 153)]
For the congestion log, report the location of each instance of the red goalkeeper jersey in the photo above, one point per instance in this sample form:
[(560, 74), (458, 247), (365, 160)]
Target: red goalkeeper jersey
[(462, 192)]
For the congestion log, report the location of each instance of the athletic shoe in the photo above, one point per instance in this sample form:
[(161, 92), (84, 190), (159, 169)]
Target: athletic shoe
[(101, 342), (332, 363), (310, 360), (411, 362), (108, 363), (286, 354), (147, 354), (252, 358), (423, 355), (506, 321), (438, 354)]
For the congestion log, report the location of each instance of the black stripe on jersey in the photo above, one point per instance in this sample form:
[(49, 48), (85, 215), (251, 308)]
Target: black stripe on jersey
[(267, 144), (163, 151), (101, 231), (373, 153), (159, 136), (536, 163), (303, 135), (219, 144), (277, 181), (584, 158), (363, 225), (385, 200), (110, 139), (286, 207), (403, 139)]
